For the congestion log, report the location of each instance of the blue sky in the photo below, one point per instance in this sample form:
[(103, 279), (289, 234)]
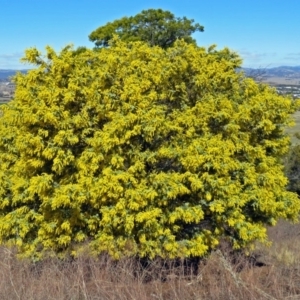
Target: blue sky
[(266, 33)]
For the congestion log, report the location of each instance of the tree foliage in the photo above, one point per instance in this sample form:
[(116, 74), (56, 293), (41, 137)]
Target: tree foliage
[(154, 26), (139, 150), (292, 169)]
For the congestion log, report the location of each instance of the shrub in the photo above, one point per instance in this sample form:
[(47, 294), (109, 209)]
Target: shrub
[(137, 150)]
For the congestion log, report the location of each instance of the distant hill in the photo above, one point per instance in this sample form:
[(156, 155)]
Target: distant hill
[(283, 71), (5, 74)]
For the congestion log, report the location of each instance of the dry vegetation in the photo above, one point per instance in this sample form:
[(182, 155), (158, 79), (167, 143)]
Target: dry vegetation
[(268, 273)]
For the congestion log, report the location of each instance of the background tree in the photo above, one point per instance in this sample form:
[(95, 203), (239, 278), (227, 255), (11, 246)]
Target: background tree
[(292, 167), (155, 26), (139, 150)]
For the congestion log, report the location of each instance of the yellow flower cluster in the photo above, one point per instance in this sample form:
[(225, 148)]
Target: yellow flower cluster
[(137, 150)]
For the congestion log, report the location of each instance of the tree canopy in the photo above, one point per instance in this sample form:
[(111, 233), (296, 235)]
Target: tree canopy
[(139, 150), (154, 26)]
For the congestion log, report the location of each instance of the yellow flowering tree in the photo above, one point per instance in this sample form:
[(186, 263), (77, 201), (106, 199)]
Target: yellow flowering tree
[(139, 150)]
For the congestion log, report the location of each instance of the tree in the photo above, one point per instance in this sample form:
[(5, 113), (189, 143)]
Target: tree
[(155, 26), (292, 169), (139, 150)]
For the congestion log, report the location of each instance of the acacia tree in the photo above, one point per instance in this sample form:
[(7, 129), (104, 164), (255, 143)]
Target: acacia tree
[(139, 150), (154, 26)]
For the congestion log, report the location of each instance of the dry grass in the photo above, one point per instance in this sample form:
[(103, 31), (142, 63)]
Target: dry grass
[(269, 273)]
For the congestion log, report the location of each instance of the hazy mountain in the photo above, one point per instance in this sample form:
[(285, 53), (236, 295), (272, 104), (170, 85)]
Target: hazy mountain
[(283, 71), (5, 74)]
